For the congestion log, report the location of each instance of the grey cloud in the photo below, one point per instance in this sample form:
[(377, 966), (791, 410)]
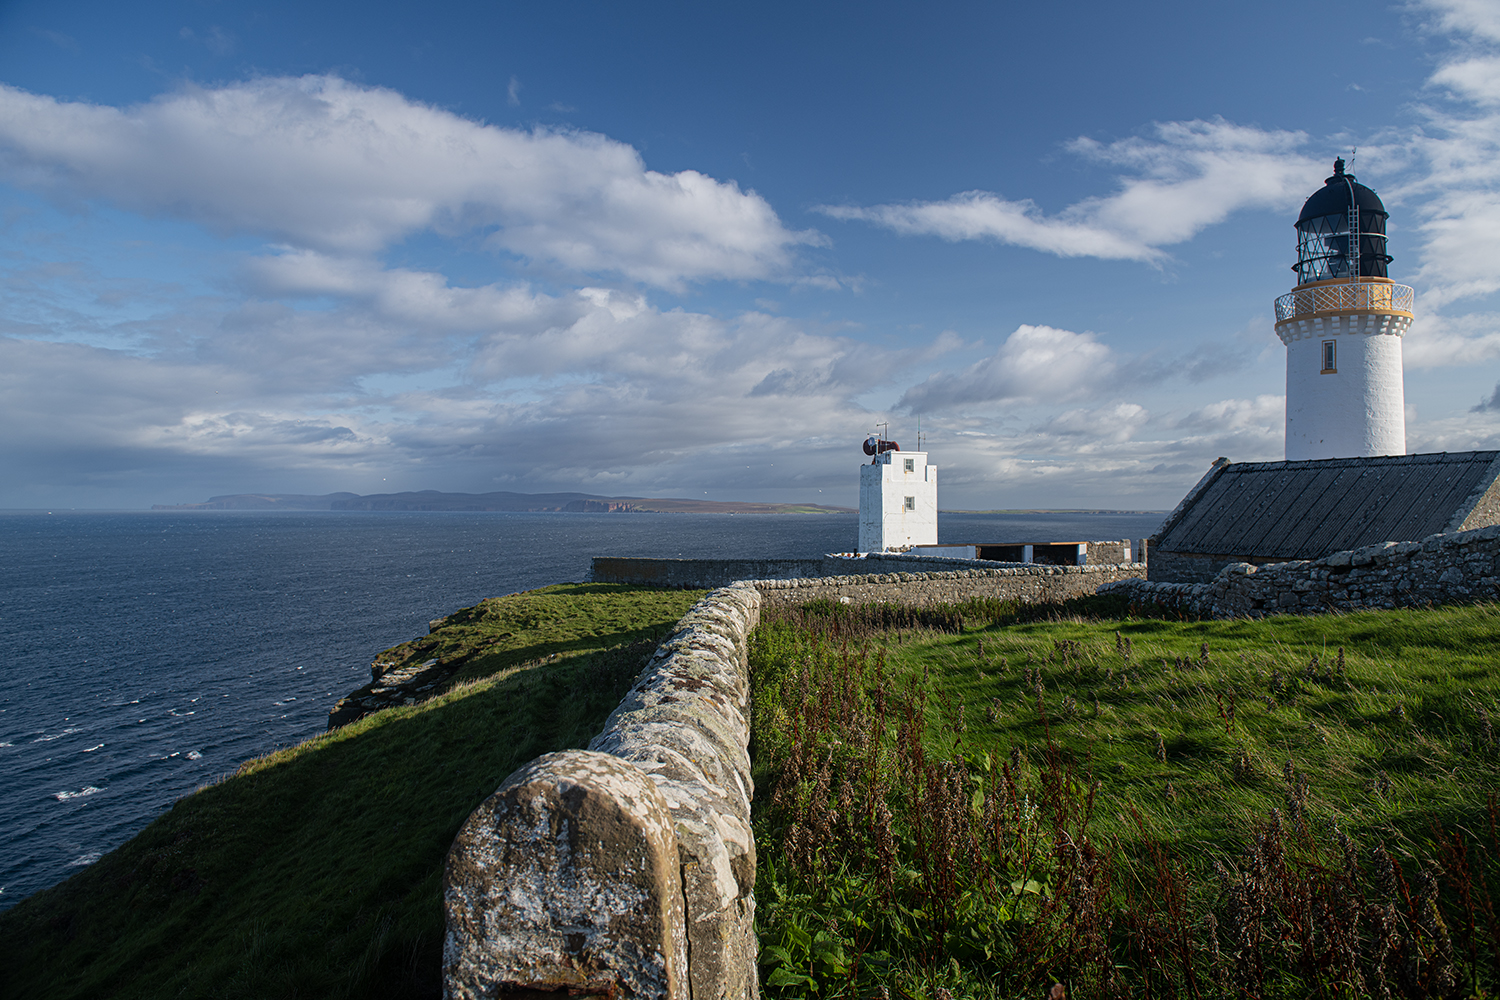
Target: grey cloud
[(1488, 405)]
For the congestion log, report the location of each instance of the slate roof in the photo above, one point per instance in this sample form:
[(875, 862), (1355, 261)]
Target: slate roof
[(1305, 510)]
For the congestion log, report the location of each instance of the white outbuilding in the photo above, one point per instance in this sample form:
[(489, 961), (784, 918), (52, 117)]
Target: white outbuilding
[(897, 498)]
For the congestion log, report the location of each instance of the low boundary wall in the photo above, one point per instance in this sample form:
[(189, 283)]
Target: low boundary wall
[(1459, 567), (627, 869), (1029, 583), (698, 573), (709, 573)]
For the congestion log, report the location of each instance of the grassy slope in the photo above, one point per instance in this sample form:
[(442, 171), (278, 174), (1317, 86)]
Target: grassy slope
[(315, 871), (1398, 745), (1410, 706)]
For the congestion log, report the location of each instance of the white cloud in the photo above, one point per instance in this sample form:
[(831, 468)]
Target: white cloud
[(1097, 428), (1034, 363), (421, 298), (1438, 341), (334, 364), (398, 371), (973, 215), (1477, 18), (1263, 416), (1195, 174), (1453, 184), (1469, 431), (1112, 455), (1185, 177), (321, 163), (1476, 79)]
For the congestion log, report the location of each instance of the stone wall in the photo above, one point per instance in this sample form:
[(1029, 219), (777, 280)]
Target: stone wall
[(628, 869), (696, 573), (1194, 567), (1459, 567), (1029, 583)]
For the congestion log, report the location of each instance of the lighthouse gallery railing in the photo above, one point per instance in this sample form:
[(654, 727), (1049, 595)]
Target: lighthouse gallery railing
[(1342, 297)]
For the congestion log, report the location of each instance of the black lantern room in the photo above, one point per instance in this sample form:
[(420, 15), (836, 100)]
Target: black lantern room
[(1323, 230)]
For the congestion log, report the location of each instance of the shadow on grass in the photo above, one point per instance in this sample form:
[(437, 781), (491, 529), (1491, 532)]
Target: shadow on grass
[(483, 665), (315, 871)]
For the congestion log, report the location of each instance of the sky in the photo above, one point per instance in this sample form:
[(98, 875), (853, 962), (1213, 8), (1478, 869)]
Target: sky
[(703, 250)]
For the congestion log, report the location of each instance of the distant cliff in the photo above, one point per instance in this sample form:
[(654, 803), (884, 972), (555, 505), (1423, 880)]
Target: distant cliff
[(262, 501), (505, 501)]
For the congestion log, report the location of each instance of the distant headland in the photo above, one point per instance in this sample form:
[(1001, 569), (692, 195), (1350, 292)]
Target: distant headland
[(434, 500)]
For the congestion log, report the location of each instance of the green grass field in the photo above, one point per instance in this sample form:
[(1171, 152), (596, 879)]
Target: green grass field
[(966, 800), (315, 871), (980, 800)]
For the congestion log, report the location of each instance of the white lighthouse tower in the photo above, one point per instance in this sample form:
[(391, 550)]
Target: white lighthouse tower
[(897, 498), (1342, 327)]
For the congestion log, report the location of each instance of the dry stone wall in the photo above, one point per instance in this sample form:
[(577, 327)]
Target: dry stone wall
[(685, 724), (566, 879), (696, 573), (653, 818), (644, 571), (1459, 567), (628, 869), (1031, 583)]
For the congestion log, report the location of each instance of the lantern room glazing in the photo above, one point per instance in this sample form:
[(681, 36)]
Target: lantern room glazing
[(1325, 250)]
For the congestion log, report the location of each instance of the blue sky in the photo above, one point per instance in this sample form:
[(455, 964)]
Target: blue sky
[(696, 250)]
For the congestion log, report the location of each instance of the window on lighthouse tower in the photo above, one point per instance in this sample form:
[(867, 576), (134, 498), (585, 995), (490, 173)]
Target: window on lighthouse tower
[(1329, 368)]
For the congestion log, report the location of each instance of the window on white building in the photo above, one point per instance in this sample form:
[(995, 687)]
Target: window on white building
[(911, 465), (911, 503)]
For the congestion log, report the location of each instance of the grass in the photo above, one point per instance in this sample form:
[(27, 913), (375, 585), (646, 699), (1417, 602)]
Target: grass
[(973, 801), (315, 871)]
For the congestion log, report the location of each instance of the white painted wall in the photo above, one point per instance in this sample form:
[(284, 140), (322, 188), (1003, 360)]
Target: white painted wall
[(884, 521), (1357, 411), (946, 551)]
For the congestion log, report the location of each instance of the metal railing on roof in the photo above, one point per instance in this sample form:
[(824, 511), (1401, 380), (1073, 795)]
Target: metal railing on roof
[(1344, 297)]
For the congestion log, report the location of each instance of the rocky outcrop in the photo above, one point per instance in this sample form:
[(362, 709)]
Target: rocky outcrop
[(402, 675), (406, 684)]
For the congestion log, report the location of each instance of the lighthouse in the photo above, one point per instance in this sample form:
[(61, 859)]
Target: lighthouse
[(897, 498), (1342, 327)]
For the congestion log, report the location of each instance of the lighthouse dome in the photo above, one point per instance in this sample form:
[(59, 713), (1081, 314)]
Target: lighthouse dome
[(1323, 231), (1333, 196)]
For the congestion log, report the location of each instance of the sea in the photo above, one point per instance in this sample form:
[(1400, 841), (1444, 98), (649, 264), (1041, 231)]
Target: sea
[(148, 653)]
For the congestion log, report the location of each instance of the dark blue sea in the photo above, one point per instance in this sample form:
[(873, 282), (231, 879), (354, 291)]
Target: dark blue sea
[(147, 653)]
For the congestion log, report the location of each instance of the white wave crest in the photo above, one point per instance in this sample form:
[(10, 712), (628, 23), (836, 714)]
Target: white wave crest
[(87, 790)]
